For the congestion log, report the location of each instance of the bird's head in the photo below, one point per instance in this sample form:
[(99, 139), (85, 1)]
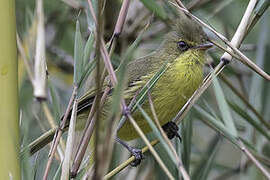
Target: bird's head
[(186, 37)]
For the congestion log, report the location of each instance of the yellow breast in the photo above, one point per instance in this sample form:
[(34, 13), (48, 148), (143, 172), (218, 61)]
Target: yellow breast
[(170, 93)]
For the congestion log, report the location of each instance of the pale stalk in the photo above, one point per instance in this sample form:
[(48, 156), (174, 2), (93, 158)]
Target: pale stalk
[(9, 116)]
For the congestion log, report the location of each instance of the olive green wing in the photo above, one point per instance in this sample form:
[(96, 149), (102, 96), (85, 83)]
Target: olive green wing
[(137, 72), (141, 67)]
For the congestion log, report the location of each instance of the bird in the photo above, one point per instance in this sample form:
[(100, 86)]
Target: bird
[(183, 53)]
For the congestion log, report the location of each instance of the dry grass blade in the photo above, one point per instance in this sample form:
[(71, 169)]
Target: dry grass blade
[(241, 30), (59, 134), (69, 148), (40, 91)]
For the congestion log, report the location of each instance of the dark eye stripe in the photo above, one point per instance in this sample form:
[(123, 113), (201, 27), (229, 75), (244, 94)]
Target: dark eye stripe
[(182, 45)]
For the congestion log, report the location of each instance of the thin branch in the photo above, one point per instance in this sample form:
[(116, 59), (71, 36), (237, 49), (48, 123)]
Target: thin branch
[(241, 30), (87, 134), (128, 161), (178, 160), (121, 18), (146, 141), (59, 134), (253, 159)]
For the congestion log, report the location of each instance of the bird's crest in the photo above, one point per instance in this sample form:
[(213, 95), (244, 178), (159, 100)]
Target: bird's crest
[(188, 29)]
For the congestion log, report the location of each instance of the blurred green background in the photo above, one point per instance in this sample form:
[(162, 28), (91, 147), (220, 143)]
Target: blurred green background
[(205, 152)]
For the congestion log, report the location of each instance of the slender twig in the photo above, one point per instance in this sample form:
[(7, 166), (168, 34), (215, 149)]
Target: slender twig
[(241, 30), (97, 169), (121, 18), (59, 134), (253, 159), (128, 161), (40, 67), (87, 134), (43, 103), (178, 160), (146, 141)]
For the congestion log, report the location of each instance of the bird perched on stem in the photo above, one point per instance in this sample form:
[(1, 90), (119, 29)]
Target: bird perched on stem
[(183, 54)]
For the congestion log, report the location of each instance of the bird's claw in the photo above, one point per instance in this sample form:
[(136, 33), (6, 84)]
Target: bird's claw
[(137, 153), (171, 129)]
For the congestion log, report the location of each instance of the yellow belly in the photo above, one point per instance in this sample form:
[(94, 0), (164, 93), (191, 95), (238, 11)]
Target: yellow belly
[(169, 94)]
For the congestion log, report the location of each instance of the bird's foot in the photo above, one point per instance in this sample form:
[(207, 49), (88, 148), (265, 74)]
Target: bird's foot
[(137, 153), (171, 129)]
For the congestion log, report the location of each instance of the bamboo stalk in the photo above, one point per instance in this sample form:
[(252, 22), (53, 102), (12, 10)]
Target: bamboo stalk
[(9, 117)]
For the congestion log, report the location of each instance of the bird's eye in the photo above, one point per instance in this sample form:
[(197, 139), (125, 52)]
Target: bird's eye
[(182, 45)]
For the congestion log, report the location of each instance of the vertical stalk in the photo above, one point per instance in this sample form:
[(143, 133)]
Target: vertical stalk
[(9, 129)]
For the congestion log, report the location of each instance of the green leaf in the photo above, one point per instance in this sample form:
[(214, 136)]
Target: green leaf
[(224, 108), (249, 119), (89, 68), (202, 170), (55, 101), (186, 131), (155, 8), (90, 21), (216, 125), (78, 54), (158, 134), (87, 50), (57, 175)]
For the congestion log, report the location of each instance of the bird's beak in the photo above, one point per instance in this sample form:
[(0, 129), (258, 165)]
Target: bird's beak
[(204, 46)]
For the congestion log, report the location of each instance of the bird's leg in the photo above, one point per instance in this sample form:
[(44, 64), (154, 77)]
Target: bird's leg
[(137, 153), (171, 129)]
